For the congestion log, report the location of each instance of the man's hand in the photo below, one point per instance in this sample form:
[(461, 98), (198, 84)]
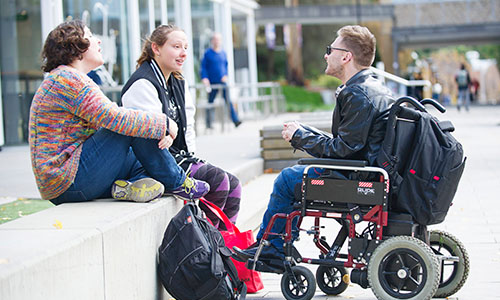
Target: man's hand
[(172, 129), (206, 82), (224, 78), (289, 129), (165, 142)]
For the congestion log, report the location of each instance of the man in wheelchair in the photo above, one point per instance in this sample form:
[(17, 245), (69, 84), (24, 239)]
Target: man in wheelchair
[(358, 128)]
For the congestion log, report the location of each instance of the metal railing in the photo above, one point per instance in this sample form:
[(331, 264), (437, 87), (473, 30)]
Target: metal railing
[(399, 85), (251, 101)]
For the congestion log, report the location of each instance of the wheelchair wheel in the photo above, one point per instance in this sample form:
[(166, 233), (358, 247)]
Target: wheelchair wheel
[(453, 274), (403, 267), (331, 279), (298, 286)]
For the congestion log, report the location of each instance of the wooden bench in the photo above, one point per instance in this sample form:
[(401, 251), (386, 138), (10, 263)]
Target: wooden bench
[(278, 153)]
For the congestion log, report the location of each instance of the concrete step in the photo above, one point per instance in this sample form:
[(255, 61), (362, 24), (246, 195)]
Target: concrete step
[(103, 249), (254, 199), (92, 250)]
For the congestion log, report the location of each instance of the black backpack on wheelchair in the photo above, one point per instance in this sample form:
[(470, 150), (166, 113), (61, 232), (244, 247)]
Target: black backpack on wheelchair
[(424, 161)]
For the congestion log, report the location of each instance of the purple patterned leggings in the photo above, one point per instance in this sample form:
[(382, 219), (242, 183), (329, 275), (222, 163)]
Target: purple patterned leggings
[(225, 191)]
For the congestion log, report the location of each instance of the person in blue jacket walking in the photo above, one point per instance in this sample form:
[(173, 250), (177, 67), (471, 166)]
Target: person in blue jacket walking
[(214, 71)]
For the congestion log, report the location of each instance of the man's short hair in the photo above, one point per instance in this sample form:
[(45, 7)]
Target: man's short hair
[(361, 42)]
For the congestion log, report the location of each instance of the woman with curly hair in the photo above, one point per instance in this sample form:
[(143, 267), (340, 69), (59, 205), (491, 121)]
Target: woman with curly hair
[(83, 146)]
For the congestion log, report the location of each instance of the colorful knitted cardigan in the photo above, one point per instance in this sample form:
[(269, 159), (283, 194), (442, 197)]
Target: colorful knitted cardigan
[(67, 109)]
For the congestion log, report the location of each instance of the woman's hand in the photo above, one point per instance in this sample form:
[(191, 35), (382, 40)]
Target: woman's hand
[(165, 142), (172, 129)]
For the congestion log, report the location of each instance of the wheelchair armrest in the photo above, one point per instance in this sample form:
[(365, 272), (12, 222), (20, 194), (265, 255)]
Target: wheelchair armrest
[(333, 162)]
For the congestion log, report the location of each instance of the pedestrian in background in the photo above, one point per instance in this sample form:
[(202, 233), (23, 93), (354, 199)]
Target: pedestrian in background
[(214, 71), (463, 82), (83, 146)]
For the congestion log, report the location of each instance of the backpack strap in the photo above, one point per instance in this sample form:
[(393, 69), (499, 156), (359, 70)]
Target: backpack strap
[(389, 163), (241, 287)]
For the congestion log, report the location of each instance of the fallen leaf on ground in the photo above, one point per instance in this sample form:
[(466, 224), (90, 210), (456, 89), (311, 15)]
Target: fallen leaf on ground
[(57, 224)]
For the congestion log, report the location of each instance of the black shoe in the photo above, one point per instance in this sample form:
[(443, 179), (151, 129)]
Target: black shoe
[(268, 252), (236, 124)]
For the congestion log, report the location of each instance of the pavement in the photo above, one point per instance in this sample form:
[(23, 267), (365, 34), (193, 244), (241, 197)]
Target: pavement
[(473, 218)]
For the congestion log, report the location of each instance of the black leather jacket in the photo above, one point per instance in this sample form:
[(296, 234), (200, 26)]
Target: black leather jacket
[(358, 124)]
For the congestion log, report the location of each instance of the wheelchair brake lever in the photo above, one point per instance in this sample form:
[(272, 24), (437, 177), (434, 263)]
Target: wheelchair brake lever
[(355, 212), (314, 230)]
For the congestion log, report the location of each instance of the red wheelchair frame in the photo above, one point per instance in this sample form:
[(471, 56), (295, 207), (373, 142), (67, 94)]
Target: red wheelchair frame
[(396, 260)]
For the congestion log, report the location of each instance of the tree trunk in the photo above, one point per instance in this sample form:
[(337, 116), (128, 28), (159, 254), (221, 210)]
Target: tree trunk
[(295, 74)]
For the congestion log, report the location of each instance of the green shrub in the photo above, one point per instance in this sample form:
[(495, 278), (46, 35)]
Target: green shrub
[(326, 81), (299, 99)]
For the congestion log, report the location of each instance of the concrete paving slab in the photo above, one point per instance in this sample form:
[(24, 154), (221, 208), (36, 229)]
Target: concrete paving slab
[(16, 175)]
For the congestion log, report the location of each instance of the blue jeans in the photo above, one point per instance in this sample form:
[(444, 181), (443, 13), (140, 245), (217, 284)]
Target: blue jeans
[(108, 156), (282, 199), (211, 99), (463, 98)]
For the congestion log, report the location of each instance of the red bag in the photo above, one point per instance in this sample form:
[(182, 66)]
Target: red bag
[(233, 237)]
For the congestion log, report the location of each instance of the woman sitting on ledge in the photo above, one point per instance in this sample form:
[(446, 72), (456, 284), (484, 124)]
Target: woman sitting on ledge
[(158, 85), (83, 146)]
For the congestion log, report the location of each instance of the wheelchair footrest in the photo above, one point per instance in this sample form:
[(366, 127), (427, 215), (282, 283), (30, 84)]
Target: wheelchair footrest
[(268, 265)]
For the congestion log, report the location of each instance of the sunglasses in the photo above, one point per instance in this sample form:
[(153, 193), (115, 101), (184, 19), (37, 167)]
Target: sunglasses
[(330, 48)]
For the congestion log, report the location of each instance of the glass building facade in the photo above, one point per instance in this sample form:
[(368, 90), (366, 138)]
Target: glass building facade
[(122, 26)]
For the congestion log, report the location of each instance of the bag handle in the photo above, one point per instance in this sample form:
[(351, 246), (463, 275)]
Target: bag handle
[(221, 215)]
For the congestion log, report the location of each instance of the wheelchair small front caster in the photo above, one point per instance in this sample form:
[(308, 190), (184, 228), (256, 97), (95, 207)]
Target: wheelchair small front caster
[(332, 280), (298, 285)]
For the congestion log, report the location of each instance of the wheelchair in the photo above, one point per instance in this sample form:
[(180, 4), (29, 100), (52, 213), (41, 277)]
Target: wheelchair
[(386, 250)]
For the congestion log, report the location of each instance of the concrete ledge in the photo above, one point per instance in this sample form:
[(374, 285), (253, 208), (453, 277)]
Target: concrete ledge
[(94, 250), (101, 249), (249, 170)]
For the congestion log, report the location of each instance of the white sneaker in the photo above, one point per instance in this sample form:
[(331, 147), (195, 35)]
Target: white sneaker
[(142, 190)]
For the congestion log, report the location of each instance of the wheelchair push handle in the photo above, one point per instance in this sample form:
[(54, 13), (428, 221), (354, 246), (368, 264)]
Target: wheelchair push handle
[(434, 103), (412, 101)]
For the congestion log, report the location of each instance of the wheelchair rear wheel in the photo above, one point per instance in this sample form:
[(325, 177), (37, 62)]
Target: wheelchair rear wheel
[(453, 274), (331, 280), (403, 267), (298, 285)]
